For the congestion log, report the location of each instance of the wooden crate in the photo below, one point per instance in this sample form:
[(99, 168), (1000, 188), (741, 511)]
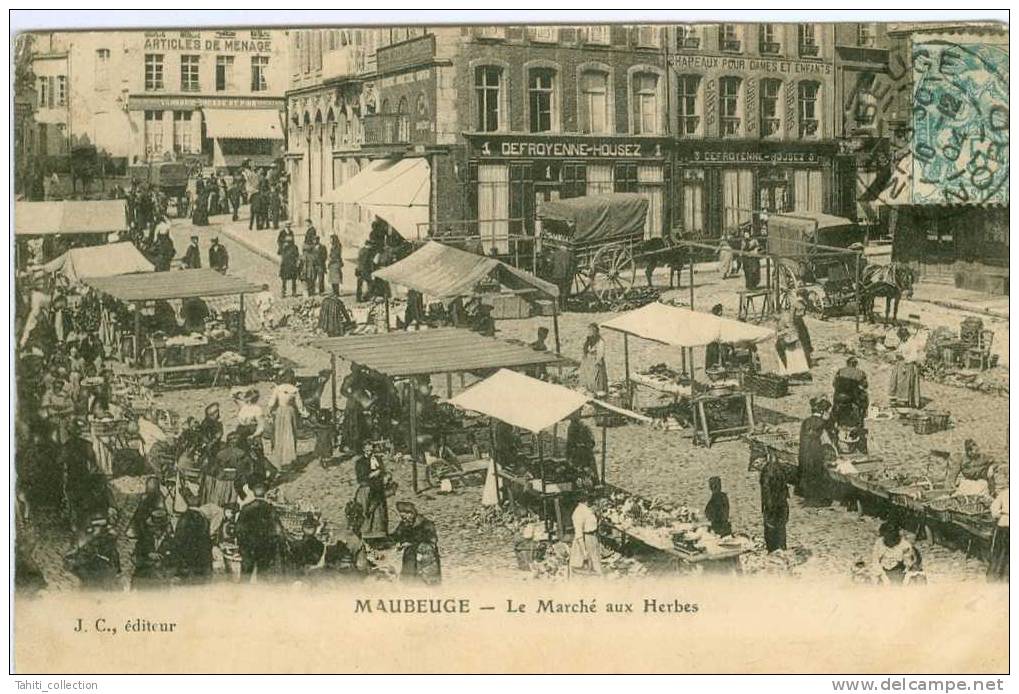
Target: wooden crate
[(507, 305)]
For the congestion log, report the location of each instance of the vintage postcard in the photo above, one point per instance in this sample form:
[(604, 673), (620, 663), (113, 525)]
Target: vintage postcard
[(512, 348)]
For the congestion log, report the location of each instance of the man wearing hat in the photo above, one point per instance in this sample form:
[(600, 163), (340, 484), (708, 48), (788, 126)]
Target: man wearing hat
[(153, 552), (163, 251), (259, 535), (95, 560), (420, 545), (219, 259), (850, 395), (193, 256), (307, 552)]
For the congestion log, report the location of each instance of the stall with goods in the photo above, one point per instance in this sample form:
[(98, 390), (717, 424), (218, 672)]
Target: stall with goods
[(45, 230), (408, 359), (207, 345), (716, 404)]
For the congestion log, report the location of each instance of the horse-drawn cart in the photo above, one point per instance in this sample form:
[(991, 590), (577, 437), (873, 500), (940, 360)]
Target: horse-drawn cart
[(596, 243), (816, 260)]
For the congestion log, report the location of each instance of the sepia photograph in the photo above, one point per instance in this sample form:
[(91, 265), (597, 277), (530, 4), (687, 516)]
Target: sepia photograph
[(468, 340)]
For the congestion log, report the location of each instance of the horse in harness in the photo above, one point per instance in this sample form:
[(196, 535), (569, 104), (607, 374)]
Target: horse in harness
[(890, 282)]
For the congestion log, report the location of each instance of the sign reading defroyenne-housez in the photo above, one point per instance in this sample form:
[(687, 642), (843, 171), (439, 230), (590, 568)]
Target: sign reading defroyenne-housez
[(567, 146)]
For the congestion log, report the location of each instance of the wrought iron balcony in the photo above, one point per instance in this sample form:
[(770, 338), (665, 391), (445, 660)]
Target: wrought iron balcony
[(387, 129)]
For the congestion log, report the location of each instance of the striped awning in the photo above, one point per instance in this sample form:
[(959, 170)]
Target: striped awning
[(174, 284), (425, 352)]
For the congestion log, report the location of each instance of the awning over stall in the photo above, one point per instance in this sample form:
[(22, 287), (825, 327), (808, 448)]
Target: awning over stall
[(675, 325), (99, 261), (397, 190), (442, 271), (69, 217), (520, 400), (425, 352), (242, 124), (174, 284)]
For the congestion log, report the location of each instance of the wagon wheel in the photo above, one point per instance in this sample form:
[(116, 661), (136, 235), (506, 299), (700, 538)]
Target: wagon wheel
[(615, 265), (582, 277)]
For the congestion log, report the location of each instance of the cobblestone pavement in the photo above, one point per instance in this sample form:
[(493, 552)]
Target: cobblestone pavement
[(649, 462)]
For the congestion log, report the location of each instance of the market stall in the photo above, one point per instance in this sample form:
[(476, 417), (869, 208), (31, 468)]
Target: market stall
[(43, 230), (111, 259), (914, 493), (689, 330), (443, 351), (442, 272), (206, 350)]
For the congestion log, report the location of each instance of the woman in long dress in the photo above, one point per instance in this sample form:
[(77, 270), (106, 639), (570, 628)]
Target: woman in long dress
[(593, 376), (355, 421), (335, 266), (287, 404), (904, 386), (814, 485)]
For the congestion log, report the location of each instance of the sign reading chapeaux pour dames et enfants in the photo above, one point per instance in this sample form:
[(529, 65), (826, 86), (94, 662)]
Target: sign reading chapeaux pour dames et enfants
[(573, 147)]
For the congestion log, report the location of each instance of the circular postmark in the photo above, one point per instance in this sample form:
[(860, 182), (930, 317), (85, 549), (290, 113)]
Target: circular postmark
[(945, 110)]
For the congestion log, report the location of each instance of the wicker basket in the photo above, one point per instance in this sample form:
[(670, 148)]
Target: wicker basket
[(292, 518), (766, 385), (932, 422)]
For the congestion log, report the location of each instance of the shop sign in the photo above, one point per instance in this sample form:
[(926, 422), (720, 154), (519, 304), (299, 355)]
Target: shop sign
[(257, 41), (710, 156), (771, 65), (182, 103), (573, 148)]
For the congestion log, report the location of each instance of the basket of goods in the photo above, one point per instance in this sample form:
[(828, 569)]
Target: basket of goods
[(969, 331), (949, 508), (766, 385), (932, 422)]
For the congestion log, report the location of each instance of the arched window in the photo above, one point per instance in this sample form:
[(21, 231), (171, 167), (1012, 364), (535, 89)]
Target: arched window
[(403, 121)]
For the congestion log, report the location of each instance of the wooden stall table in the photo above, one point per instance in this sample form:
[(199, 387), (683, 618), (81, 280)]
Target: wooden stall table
[(748, 304), (726, 561), (704, 433)]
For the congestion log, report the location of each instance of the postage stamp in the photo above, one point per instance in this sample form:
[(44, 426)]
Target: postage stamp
[(960, 123)]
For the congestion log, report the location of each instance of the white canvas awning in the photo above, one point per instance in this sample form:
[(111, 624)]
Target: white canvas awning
[(69, 217), (99, 261), (397, 190), (682, 327), (243, 124), (520, 400)]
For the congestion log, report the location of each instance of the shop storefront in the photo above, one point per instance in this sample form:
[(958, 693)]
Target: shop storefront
[(508, 175), (721, 185)]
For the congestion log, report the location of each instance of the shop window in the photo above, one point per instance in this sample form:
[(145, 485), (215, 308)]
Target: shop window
[(651, 184), (599, 179), (153, 72), (807, 40), (768, 43), (808, 189), (260, 72), (595, 116), (688, 104), (189, 71), (644, 91), (688, 37), (729, 106), (807, 98), (102, 68), (729, 38), (493, 206), (624, 177), (771, 108), (488, 93), (692, 194), (541, 98), (866, 35), (153, 133), (574, 180), (737, 199), (182, 131), (224, 73)]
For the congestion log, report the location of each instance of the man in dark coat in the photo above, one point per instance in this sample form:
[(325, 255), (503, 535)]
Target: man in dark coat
[(365, 267), (309, 266), (192, 544), (420, 544), (154, 562), (774, 504), (307, 552), (193, 255), (96, 560), (290, 262), (274, 206), (259, 535), (234, 195), (321, 261), (256, 210), (580, 450), (219, 258), (163, 252), (717, 508), (851, 399)]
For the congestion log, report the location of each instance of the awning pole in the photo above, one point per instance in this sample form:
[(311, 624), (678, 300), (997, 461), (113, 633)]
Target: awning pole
[(137, 331), (859, 298), (626, 366), (412, 402), (604, 434), (691, 281), (387, 313), (541, 469), (332, 386), (555, 329), (449, 384), (240, 329)]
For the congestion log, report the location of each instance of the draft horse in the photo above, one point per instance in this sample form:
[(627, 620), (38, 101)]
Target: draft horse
[(890, 282)]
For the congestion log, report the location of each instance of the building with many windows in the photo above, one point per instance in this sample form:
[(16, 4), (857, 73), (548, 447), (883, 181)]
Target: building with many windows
[(214, 96)]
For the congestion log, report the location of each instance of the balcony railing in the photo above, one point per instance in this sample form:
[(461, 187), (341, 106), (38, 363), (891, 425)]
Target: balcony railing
[(730, 126), (387, 129), (809, 50), (732, 45), (689, 42), (808, 127), (688, 125), (770, 126), (770, 47)]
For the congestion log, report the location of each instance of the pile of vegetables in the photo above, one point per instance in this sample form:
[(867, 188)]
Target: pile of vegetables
[(652, 521)]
